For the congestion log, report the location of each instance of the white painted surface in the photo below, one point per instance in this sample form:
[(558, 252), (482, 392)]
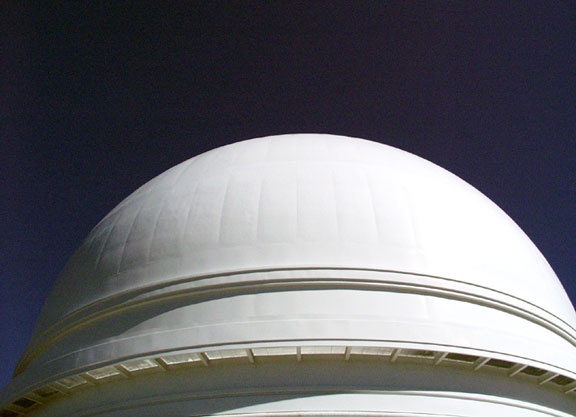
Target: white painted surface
[(305, 201), (299, 239)]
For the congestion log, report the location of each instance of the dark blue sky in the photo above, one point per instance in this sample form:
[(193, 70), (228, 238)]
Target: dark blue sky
[(96, 98)]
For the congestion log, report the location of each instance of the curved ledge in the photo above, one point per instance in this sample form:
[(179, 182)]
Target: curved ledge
[(280, 280), (35, 397)]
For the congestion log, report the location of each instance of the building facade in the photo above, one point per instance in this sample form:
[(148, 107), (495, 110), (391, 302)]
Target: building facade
[(302, 275)]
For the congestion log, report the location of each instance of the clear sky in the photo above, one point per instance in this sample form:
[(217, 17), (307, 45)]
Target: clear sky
[(96, 98)]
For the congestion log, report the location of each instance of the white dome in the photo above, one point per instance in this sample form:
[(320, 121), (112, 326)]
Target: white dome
[(306, 201), (300, 239)]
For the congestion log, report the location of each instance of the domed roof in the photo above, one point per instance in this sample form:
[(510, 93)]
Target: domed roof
[(306, 209), (305, 200)]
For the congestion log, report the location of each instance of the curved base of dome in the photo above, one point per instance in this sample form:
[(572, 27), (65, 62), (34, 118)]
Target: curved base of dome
[(388, 339), (312, 387), (302, 306)]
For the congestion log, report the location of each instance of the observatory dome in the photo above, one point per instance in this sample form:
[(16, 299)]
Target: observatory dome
[(305, 241)]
